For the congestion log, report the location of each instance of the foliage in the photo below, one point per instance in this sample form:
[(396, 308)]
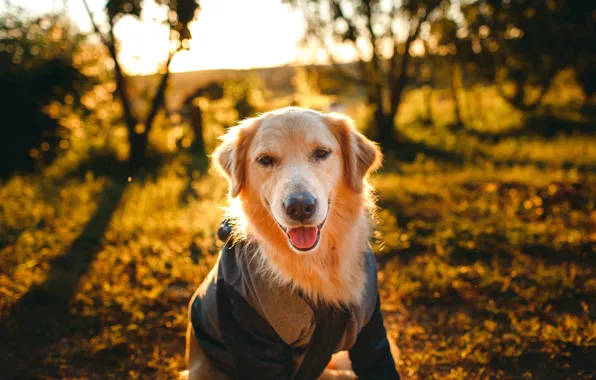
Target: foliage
[(530, 42), (37, 66), (520, 46)]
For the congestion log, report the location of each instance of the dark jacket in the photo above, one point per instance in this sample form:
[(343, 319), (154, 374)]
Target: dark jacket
[(250, 327)]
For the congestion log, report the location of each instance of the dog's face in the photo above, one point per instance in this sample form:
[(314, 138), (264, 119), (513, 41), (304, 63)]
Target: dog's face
[(294, 161), (295, 164)]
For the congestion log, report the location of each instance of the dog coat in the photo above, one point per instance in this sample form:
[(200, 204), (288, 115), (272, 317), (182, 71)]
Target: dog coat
[(253, 328)]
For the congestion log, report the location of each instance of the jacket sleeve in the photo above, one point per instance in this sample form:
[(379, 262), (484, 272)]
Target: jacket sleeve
[(371, 355), (256, 349)]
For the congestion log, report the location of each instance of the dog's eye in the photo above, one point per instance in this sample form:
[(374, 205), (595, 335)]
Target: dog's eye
[(321, 154), (266, 160)]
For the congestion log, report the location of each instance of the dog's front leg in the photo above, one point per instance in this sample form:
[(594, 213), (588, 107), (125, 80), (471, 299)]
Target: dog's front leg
[(337, 374), (199, 367), (339, 367)]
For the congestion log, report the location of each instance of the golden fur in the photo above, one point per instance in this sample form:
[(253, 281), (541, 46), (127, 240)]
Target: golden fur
[(332, 271)]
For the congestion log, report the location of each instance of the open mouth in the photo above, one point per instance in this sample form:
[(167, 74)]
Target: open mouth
[(304, 238)]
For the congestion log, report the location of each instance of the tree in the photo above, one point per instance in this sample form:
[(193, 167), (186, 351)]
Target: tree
[(179, 14), (381, 35), (530, 41), (454, 51), (36, 68), (192, 110)]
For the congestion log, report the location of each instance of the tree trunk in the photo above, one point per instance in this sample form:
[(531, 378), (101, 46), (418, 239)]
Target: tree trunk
[(399, 84), (139, 142), (196, 123), (159, 99), (399, 79), (138, 149), (453, 83), (385, 129), (428, 102), (519, 97)]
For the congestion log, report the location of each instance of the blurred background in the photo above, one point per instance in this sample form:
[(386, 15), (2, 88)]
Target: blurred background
[(485, 111)]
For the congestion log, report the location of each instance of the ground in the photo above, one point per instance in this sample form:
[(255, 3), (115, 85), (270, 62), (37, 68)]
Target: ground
[(485, 246)]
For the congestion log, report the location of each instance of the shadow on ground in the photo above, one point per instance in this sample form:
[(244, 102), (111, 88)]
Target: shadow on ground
[(42, 316), (408, 150), (538, 126)]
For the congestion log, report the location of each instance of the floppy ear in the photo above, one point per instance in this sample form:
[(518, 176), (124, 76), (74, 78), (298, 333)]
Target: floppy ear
[(230, 157), (361, 156)]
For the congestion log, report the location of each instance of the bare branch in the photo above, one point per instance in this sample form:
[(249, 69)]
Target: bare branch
[(94, 24), (377, 73), (398, 82), (351, 27), (159, 98), (129, 118)]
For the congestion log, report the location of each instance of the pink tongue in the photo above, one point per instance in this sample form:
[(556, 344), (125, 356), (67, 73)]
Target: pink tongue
[(303, 237)]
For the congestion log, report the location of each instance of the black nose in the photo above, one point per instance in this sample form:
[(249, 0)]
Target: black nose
[(300, 206)]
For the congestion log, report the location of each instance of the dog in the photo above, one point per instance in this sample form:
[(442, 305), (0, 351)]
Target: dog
[(295, 285)]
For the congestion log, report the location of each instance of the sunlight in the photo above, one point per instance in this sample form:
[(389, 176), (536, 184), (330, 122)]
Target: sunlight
[(228, 34), (256, 34), (236, 34)]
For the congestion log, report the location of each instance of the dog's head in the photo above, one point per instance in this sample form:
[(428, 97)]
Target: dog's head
[(292, 162)]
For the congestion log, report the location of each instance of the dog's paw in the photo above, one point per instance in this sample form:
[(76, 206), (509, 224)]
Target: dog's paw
[(338, 374)]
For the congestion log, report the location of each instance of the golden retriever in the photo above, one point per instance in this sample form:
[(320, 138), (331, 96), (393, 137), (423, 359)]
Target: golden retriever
[(299, 194)]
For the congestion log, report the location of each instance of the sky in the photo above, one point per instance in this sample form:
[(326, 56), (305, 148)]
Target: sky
[(231, 34)]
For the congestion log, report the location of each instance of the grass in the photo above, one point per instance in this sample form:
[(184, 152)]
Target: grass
[(489, 273), (486, 262), (96, 276)]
